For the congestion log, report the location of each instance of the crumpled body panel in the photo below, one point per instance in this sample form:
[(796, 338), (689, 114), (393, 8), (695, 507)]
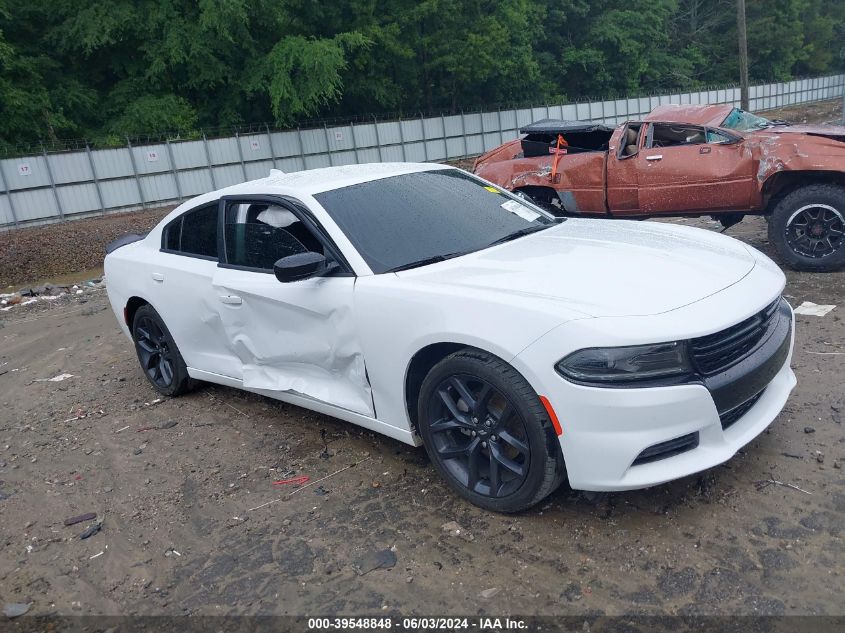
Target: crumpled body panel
[(296, 337)]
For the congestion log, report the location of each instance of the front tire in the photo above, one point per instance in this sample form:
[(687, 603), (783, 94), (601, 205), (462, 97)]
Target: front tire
[(487, 432), (807, 228), (158, 355)]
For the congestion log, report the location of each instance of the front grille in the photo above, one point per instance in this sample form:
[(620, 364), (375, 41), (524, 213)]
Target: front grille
[(716, 352), (732, 415), (667, 449)]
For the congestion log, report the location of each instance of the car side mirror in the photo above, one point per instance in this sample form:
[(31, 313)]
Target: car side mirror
[(300, 266)]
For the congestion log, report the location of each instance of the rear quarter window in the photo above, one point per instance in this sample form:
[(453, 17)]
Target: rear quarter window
[(193, 233)]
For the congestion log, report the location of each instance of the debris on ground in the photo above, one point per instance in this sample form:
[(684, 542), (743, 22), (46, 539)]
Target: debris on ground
[(808, 308), (16, 609), (161, 427), (81, 415), (91, 530), (88, 516), (293, 480), (381, 559), (489, 593), (765, 483), (59, 378)]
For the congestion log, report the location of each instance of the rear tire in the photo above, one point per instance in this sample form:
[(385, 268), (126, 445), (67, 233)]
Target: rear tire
[(807, 228), (487, 433), (158, 354)]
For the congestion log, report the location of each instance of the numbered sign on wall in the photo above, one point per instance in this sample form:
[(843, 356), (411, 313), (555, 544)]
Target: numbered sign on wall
[(338, 135), (24, 169), (152, 156), (254, 144)]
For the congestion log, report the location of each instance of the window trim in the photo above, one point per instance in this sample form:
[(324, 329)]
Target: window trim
[(179, 219), (300, 211)]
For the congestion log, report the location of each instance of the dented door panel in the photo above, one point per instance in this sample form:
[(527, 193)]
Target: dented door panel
[(709, 176), (295, 337)]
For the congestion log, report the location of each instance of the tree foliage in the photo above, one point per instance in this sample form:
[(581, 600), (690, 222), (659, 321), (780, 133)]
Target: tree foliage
[(72, 68)]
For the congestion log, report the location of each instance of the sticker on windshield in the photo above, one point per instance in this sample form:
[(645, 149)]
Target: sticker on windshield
[(521, 210), (491, 189)]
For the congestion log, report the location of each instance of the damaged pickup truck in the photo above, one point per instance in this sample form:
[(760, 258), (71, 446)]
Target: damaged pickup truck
[(689, 160)]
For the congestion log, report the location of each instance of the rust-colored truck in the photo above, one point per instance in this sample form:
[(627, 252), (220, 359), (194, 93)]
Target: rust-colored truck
[(689, 160)]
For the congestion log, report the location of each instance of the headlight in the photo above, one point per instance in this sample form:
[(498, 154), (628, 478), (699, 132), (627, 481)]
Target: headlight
[(626, 364)]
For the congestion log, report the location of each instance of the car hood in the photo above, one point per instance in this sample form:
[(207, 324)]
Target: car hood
[(828, 131), (601, 267)]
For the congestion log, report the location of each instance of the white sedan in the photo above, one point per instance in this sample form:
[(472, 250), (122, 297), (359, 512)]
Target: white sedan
[(421, 302)]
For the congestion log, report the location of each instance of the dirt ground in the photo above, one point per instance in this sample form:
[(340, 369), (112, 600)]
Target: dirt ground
[(192, 523)]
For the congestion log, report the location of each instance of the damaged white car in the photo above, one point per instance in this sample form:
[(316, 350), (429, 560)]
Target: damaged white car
[(421, 302)]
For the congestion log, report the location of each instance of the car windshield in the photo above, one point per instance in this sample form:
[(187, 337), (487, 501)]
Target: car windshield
[(420, 218), (742, 121)]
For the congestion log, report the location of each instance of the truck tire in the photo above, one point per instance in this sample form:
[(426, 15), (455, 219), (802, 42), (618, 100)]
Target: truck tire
[(807, 228)]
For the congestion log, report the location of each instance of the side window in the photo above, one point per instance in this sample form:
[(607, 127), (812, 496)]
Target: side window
[(628, 144), (258, 235), (671, 135), (193, 233), (714, 136)]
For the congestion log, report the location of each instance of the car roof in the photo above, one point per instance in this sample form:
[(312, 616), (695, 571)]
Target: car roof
[(313, 181), (711, 115)]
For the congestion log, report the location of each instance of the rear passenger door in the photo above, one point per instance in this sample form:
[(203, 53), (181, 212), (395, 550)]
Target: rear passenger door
[(297, 337), (181, 291)]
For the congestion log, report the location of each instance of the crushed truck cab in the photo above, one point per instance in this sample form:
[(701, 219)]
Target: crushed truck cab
[(689, 160)]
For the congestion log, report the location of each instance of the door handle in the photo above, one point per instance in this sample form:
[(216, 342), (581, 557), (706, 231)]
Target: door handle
[(704, 150), (157, 277), (232, 300), (655, 157)]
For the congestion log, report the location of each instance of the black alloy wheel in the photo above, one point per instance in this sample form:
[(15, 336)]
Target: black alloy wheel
[(479, 435), (158, 354), (487, 432), (807, 227), (154, 352), (815, 230)]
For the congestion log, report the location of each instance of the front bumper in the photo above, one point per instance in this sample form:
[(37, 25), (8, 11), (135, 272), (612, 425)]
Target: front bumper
[(605, 430)]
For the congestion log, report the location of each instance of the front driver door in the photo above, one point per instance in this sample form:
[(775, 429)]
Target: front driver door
[(296, 337), (692, 168)]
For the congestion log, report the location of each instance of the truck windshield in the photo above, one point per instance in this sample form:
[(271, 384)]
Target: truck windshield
[(741, 121), (415, 219)]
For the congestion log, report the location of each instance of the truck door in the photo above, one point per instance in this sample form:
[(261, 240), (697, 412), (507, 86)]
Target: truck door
[(692, 168), (622, 173)]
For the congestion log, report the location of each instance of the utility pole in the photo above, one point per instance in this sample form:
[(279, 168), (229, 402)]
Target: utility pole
[(743, 53)]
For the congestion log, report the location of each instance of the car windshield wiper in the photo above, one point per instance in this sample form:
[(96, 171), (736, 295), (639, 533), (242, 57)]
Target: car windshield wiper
[(424, 262), (526, 231)]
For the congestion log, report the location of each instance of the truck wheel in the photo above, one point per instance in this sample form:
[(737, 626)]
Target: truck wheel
[(807, 227)]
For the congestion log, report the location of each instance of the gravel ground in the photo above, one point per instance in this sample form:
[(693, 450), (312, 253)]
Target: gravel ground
[(52, 252), (192, 523)]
